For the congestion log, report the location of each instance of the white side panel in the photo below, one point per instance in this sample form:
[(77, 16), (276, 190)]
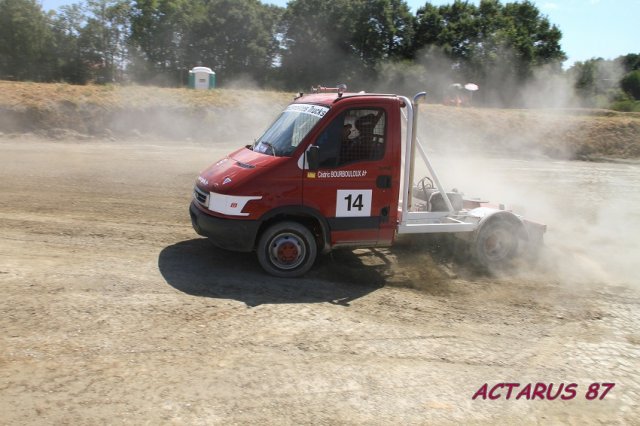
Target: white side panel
[(230, 205)]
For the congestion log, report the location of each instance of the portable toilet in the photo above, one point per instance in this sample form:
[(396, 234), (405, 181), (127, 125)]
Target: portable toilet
[(202, 78)]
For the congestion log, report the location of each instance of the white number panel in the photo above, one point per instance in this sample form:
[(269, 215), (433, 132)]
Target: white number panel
[(353, 202)]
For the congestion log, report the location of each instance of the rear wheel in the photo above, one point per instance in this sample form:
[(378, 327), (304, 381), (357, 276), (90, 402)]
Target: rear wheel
[(287, 249), (496, 245)]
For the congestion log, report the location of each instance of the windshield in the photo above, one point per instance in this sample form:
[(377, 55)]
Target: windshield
[(286, 133)]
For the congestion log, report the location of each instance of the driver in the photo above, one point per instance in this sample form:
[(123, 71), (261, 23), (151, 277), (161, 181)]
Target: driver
[(363, 147)]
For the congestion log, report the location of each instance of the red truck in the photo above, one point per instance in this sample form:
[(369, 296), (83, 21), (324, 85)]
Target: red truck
[(333, 171)]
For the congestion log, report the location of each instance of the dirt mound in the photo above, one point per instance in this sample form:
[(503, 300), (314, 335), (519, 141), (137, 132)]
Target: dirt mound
[(561, 133), (55, 110), (123, 112)]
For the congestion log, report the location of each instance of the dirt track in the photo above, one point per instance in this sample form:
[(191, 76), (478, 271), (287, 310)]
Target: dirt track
[(115, 311)]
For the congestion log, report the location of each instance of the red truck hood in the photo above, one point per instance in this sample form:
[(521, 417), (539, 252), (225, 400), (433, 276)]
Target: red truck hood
[(234, 168)]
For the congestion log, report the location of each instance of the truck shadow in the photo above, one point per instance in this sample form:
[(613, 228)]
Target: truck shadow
[(197, 268)]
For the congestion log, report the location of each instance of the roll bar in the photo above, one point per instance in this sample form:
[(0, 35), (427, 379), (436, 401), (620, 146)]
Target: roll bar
[(412, 143)]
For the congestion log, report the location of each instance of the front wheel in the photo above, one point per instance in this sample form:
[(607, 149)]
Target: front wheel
[(287, 249)]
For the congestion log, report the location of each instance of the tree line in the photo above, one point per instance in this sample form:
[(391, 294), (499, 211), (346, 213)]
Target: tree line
[(365, 43)]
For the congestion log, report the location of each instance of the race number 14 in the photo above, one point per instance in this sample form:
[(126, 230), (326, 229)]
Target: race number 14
[(353, 202)]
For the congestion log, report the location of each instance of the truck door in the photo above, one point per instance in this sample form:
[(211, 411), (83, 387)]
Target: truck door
[(356, 187)]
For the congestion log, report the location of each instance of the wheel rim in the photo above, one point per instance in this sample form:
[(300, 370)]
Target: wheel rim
[(287, 251), (498, 245)]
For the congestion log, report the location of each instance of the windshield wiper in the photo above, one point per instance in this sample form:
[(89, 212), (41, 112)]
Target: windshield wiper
[(268, 144)]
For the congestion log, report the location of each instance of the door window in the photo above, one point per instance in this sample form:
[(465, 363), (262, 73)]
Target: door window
[(355, 135)]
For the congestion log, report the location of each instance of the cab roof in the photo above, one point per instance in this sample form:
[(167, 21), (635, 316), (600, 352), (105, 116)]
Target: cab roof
[(329, 99)]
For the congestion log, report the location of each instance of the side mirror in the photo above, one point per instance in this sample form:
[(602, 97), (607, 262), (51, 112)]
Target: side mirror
[(313, 157)]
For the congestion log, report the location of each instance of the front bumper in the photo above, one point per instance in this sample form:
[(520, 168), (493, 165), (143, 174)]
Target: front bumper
[(228, 234)]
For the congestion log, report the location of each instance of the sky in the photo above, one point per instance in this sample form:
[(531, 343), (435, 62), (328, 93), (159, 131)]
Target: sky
[(590, 28)]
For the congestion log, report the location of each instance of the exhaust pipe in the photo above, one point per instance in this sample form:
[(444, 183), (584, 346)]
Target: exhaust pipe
[(414, 136)]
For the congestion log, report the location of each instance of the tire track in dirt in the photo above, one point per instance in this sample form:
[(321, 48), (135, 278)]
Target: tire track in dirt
[(114, 311)]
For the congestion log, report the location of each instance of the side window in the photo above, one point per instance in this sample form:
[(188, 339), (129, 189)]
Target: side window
[(329, 142), (356, 135)]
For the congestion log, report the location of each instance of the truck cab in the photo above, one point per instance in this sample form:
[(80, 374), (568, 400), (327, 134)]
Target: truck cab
[(327, 173), (348, 196)]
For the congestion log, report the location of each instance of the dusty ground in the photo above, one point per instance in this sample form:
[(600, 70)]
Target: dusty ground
[(114, 311)]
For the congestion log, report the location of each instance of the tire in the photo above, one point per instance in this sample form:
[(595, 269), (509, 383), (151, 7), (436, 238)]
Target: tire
[(287, 250), (496, 245)]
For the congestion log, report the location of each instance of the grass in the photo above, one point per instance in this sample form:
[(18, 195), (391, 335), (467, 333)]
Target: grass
[(628, 106), (121, 111), (45, 95)]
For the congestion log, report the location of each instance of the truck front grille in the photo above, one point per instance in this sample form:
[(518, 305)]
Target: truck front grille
[(200, 196)]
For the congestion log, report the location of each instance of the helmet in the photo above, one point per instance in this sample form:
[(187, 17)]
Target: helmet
[(366, 123)]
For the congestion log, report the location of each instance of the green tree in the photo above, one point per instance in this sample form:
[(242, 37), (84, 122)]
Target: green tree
[(158, 29), (342, 41), (585, 75), (168, 37), (383, 30), (596, 81), (630, 62), (497, 46), (234, 37), (533, 39), (630, 83), (67, 24), (103, 40), (25, 41), (315, 42)]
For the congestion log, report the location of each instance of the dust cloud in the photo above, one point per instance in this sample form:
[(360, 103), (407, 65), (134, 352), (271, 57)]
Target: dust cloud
[(590, 210), (536, 119), (588, 207), (519, 157)]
